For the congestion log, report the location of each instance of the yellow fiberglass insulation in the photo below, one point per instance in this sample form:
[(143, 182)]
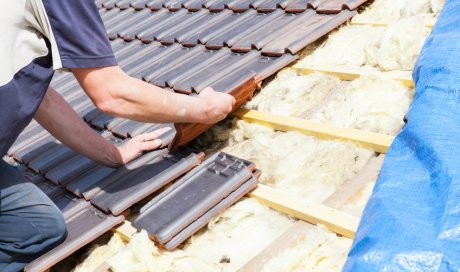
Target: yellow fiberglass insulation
[(399, 46), (318, 251), (370, 103), (230, 240), (301, 165), (99, 254), (292, 94), (395, 47), (346, 46), (393, 10), (238, 235)]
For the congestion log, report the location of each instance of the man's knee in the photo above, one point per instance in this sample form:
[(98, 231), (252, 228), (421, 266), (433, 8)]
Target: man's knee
[(55, 231), (58, 229)]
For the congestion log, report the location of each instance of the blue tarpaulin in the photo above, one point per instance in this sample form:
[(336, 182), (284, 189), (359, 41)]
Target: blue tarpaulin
[(412, 220)]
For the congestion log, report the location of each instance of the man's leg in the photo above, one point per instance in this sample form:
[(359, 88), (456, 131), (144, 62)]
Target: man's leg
[(30, 223)]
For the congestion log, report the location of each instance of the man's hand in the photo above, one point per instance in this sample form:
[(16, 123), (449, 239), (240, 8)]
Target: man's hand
[(216, 105), (134, 148)]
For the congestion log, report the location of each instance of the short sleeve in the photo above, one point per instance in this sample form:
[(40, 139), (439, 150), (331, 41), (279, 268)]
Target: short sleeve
[(76, 33)]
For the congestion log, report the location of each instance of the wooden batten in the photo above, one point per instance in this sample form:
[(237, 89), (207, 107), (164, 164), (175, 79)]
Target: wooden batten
[(378, 142), (335, 220), (429, 22), (352, 73)]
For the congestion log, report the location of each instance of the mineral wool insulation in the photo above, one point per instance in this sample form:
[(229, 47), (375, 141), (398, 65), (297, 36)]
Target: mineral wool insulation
[(394, 47), (393, 10), (303, 166), (372, 103)]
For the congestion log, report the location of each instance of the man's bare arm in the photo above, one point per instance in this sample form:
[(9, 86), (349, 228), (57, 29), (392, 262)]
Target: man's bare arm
[(116, 93), (56, 116)]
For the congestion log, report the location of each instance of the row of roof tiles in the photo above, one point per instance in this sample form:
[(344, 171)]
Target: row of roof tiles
[(273, 34), (293, 6)]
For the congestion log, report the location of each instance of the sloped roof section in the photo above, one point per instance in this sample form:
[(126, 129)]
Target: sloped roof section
[(182, 46)]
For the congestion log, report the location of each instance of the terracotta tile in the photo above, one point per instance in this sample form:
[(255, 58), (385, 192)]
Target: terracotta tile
[(35, 149), (127, 20), (110, 4), (163, 52), (192, 196), (193, 66), (135, 61), (187, 19), (69, 169), (148, 33), (186, 132), (51, 158), (82, 184), (293, 41), (213, 72), (240, 5), (215, 5), (139, 4), (298, 6), (202, 29), (67, 203), (265, 33), (194, 5), (31, 133), (123, 4), (89, 187), (245, 28), (170, 63), (270, 5)]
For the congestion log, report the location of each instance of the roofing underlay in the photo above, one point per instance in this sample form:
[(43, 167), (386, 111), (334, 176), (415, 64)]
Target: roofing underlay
[(183, 47)]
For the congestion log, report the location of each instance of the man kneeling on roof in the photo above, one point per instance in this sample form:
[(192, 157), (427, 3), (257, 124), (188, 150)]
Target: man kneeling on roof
[(38, 37)]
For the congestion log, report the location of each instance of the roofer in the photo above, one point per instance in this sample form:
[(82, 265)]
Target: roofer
[(38, 37)]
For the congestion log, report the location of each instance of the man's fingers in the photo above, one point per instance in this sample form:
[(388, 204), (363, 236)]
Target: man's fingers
[(151, 145), (154, 134)]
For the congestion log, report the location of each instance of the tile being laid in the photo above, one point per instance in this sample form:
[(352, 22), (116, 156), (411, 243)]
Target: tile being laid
[(192, 196), (242, 90), (83, 228), (140, 183), (203, 220)]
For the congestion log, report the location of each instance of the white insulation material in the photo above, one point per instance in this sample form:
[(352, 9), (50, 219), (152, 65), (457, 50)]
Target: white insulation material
[(319, 251), (292, 94), (370, 103), (238, 235), (230, 240), (99, 254), (393, 10), (399, 46), (346, 46), (300, 165), (395, 47)]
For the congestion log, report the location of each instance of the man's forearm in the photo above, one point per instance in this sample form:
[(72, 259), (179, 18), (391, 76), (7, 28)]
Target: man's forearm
[(116, 93), (56, 116)]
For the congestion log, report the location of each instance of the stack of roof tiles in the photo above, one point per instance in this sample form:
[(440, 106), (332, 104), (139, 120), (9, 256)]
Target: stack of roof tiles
[(183, 46)]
